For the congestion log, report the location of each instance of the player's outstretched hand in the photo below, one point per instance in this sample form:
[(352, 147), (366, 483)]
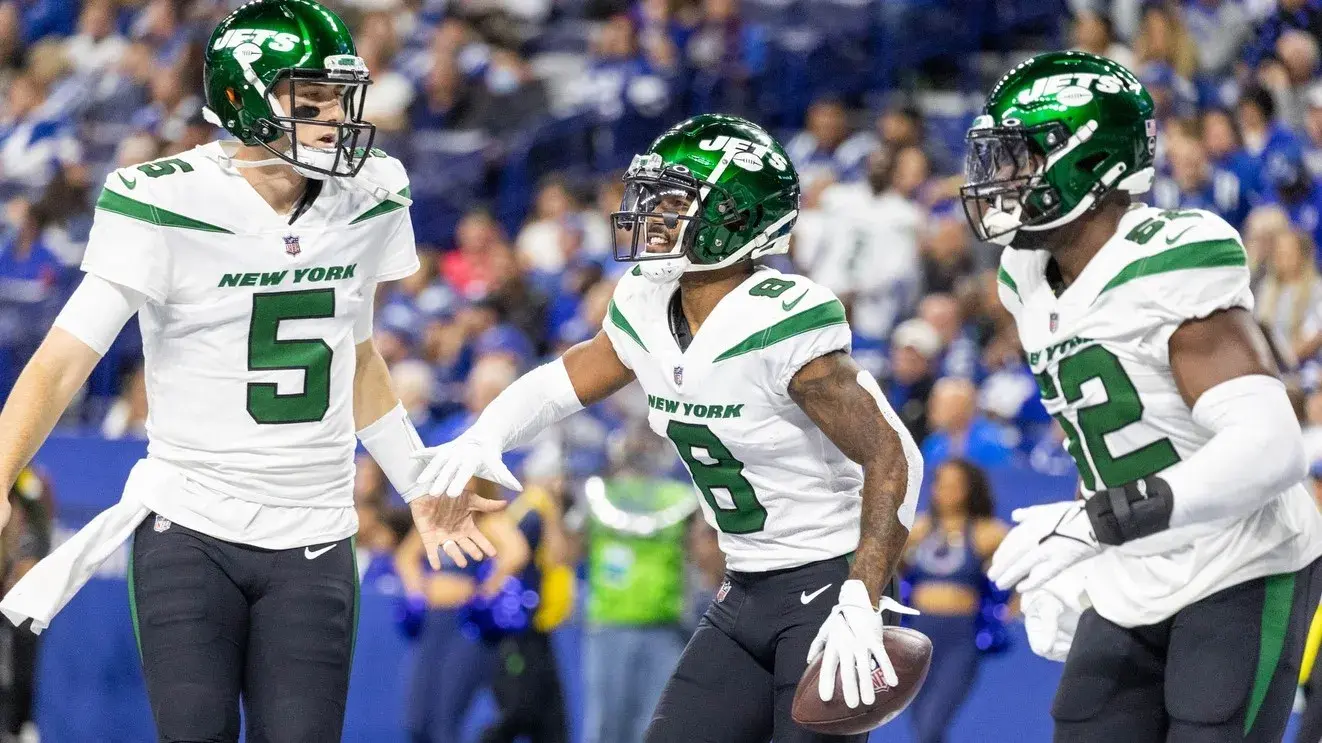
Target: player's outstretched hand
[(1047, 540), (850, 640), (446, 524), (450, 466), (1052, 611)]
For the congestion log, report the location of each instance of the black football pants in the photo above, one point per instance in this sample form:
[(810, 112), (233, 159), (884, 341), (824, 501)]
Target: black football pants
[(218, 621)]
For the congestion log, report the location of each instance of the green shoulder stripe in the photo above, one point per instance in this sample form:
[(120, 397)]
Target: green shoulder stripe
[(821, 316), (385, 207), (1003, 276), (1205, 254), (622, 323), (123, 205)]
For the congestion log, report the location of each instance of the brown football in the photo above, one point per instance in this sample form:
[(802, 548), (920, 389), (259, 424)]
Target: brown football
[(911, 653)]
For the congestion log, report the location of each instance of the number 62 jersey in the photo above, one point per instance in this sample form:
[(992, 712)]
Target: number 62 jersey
[(248, 335), (776, 489), (1100, 354)]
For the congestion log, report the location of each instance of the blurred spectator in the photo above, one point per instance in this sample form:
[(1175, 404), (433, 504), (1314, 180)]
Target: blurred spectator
[(958, 430), (1221, 141), (960, 356), (31, 287), (634, 525), (511, 100), (33, 146), (1313, 130), (913, 351), (814, 151), (729, 56), (1219, 29), (415, 384), (946, 250), (944, 563), (1287, 76), (1194, 183), (900, 125), (519, 304), (1290, 296), (547, 241), (1305, 15), (391, 93), (1173, 96), (1296, 191), (127, 417), (1264, 138), (479, 245), (445, 100), (1092, 32), (867, 247), (97, 46), (628, 91), (1163, 38), (1260, 231), (25, 540)]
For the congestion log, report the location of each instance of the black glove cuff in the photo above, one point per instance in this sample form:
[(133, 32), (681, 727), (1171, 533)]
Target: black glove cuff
[(1134, 510)]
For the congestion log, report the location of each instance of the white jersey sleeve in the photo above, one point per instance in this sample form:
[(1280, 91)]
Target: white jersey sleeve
[(637, 298), (127, 244), (818, 328), (399, 256)]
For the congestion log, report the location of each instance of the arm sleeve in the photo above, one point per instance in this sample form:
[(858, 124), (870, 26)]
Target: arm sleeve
[(127, 251), (98, 310), (1256, 452), (533, 402)]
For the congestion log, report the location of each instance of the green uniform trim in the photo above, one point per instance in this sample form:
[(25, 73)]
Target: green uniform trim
[(1276, 605), (823, 315), (619, 320), (1205, 254), (385, 207), (133, 604), (357, 596), (1003, 276), (123, 205)]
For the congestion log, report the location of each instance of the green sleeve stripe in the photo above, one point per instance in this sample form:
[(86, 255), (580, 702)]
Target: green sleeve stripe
[(1205, 254), (1277, 602), (1003, 276), (822, 316), (385, 207), (618, 319), (123, 205)]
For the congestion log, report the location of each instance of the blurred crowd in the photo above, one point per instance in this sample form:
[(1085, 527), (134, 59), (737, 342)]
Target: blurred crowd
[(515, 117)]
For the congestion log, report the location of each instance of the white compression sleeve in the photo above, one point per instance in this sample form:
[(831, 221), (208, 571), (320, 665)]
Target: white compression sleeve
[(1255, 453), (97, 311), (392, 440), (533, 402)]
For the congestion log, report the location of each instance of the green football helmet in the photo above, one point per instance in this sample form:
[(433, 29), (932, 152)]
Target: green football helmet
[(710, 192), (1059, 132), (266, 42)]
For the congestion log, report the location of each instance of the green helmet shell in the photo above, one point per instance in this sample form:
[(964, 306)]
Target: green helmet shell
[(264, 42), (1058, 133), (740, 189)]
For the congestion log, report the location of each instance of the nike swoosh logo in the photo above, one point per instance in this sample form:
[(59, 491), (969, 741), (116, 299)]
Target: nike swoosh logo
[(312, 554), (806, 598), (1171, 240), (787, 306), (131, 184)]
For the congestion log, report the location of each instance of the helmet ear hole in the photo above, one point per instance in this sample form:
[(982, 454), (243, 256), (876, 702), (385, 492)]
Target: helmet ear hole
[(1090, 163)]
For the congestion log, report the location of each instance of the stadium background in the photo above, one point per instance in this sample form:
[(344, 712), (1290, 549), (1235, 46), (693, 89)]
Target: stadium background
[(514, 118)]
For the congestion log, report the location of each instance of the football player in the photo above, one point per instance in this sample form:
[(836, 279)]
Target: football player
[(802, 466), (1197, 543), (252, 266)]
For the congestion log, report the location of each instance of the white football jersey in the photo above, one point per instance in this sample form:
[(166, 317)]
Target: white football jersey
[(777, 490), (1100, 352), (248, 335)]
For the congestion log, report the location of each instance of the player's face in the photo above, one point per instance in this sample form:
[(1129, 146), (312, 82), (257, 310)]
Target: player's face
[(663, 234), (321, 102)]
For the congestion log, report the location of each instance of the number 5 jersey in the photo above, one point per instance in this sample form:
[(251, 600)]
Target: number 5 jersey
[(776, 489), (1100, 354), (248, 335)]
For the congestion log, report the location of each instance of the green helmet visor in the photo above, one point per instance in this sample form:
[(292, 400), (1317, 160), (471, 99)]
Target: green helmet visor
[(661, 211), (342, 147), (1004, 170)]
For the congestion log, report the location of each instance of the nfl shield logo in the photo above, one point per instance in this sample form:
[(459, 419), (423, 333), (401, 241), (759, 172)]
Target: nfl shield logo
[(161, 525), (291, 245), (724, 591), (1055, 322), (679, 375)]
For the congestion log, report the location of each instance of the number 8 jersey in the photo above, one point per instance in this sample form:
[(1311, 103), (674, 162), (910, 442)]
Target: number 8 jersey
[(777, 490), (1100, 354), (248, 335)]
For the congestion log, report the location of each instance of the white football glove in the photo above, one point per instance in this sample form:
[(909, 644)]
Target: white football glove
[(850, 641), (1048, 539), (1052, 611), (450, 466)]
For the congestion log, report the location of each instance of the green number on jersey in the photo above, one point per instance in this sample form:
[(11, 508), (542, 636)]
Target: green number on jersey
[(266, 352), (165, 167), (1146, 229), (771, 288), (1121, 408), (721, 470)]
